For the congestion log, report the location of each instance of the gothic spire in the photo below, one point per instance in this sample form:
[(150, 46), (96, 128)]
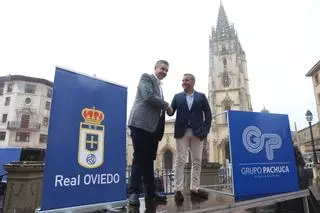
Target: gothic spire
[(223, 30)]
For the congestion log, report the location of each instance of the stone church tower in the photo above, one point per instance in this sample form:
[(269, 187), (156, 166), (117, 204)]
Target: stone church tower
[(228, 84), (228, 89)]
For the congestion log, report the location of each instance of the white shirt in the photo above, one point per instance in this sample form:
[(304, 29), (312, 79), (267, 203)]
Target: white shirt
[(160, 89), (189, 99)]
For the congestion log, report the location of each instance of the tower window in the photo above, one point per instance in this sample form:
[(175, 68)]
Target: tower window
[(224, 62), (223, 49), (227, 107)]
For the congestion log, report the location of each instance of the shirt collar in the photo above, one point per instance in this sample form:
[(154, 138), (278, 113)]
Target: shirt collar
[(159, 81), (191, 95)]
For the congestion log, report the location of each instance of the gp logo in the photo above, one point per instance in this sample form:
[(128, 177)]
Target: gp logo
[(254, 141)]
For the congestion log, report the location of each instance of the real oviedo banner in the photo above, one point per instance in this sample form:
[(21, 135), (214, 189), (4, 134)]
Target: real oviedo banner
[(262, 154), (86, 159)]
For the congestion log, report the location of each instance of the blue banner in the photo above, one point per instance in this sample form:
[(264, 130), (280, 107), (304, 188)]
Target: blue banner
[(262, 154), (86, 153)]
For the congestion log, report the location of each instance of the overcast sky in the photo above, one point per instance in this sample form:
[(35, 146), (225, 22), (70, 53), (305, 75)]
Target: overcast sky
[(119, 40)]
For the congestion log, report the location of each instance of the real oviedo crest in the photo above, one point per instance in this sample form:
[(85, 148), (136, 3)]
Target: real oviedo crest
[(91, 139)]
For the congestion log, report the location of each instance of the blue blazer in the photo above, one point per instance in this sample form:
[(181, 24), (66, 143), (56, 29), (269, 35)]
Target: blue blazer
[(199, 116)]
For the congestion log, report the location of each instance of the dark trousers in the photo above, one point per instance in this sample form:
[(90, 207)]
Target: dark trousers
[(145, 146)]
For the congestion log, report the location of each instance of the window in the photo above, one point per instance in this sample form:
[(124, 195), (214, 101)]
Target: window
[(10, 87), (1, 88), (4, 118), (224, 62), (316, 79), (45, 121), (30, 88), (27, 101), (226, 80), (22, 136), (7, 102), (25, 121), (2, 136), (49, 92), (43, 138), (226, 108), (48, 105), (224, 49)]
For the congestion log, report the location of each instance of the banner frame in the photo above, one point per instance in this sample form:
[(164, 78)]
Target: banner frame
[(110, 206), (87, 208)]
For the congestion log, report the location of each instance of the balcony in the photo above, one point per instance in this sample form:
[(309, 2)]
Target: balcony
[(18, 125)]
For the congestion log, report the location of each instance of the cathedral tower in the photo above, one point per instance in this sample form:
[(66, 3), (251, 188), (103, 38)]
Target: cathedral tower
[(228, 83)]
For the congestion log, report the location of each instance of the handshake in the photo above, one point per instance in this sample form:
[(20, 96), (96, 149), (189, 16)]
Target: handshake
[(169, 111)]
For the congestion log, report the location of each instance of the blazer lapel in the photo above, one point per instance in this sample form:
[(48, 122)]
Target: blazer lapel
[(184, 100), (195, 98), (156, 85)]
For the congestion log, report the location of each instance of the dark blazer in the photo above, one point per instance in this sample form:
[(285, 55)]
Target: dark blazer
[(199, 116)]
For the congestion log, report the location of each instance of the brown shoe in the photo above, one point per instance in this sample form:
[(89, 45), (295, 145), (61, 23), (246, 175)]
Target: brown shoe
[(178, 197), (199, 194)]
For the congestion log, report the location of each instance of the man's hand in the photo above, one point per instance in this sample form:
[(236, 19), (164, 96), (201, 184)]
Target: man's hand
[(169, 111), (201, 138)]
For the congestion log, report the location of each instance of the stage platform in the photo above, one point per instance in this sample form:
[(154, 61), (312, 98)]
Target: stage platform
[(189, 205), (217, 203)]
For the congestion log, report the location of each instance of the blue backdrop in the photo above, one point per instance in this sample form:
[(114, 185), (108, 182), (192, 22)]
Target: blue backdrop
[(86, 153), (262, 154)]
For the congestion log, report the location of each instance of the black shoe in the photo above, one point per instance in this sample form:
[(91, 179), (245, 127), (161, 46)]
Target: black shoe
[(134, 200), (133, 209), (151, 206), (178, 197), (199, 194), (156, 197)]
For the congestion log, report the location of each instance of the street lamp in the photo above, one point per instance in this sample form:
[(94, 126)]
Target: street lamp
[(309, 117)]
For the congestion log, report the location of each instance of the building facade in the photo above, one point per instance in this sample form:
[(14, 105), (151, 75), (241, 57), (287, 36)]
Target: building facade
[(228, 89), (314, 73), (302, 137), (25, 104), (228, 84)]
